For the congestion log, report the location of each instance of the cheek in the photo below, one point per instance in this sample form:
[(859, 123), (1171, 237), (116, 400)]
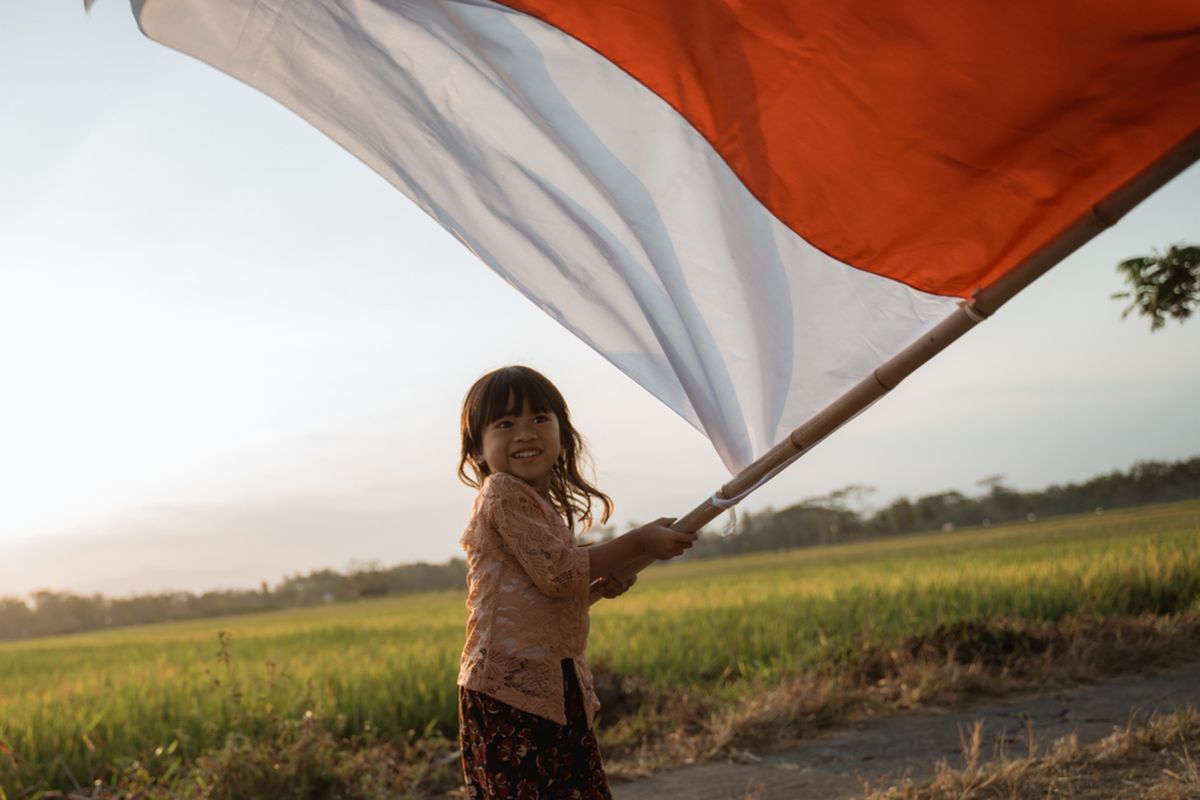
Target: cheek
[(493, 445)]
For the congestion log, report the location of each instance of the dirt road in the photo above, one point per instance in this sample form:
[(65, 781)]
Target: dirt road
[(836, 765)]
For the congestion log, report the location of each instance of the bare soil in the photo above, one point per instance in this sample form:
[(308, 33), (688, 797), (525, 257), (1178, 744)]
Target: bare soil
[(879, 752)]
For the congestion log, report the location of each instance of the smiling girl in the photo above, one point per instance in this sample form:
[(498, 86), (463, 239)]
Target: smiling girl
[(526, 701)]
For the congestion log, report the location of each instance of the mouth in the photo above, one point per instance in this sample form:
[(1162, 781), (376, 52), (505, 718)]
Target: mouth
[(526, 454)]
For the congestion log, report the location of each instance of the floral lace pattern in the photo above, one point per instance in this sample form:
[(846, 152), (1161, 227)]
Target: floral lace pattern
[(508, 754), (527, 601)]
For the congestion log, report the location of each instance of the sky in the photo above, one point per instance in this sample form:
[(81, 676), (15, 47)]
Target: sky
[(230, 352)]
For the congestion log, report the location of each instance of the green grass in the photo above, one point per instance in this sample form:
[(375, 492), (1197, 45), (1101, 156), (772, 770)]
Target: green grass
[(73, 707)]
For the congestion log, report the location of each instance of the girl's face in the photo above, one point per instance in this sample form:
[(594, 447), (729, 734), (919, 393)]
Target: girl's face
[(526, 445)]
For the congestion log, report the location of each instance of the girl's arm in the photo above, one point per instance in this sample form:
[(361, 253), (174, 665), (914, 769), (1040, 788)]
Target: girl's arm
[(608, 587), (631, 568), (641, 546), (627, 572)]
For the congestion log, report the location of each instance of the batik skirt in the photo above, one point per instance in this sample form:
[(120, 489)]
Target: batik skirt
[(508, 754)]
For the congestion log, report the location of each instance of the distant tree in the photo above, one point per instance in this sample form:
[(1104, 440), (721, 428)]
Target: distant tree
[(1162, 285), (992, 482), (898, 517), (855, 497)]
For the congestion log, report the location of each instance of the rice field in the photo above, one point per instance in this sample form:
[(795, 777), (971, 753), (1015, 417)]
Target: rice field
[(73, 707)]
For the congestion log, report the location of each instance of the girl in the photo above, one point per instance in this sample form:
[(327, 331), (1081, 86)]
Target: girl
[(526, 702)]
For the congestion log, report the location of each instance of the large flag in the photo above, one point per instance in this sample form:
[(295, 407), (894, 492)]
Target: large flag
[(746, 205)]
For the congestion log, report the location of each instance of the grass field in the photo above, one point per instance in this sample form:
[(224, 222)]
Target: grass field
[(80, 708)]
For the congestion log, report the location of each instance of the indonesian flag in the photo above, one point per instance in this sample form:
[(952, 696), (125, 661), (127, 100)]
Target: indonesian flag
[(746, 205)]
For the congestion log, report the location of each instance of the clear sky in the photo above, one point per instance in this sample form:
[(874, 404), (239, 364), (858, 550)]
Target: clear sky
[(229, 351)]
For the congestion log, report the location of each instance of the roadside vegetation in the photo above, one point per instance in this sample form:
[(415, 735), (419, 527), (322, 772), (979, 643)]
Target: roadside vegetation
[(1154, 759), (702, 659)]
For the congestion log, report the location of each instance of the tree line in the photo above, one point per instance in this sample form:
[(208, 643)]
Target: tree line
[(836, 517), (48, 613)]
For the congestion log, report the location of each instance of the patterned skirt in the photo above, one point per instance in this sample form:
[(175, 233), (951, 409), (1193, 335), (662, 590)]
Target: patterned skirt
[(508, 754)]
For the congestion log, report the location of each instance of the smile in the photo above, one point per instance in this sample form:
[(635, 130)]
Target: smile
[(523, 454)]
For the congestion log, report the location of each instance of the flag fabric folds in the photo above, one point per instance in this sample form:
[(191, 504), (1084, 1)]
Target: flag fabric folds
[(745, 206)]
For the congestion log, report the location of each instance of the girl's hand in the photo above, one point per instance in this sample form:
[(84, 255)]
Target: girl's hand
[(659, 541), (612, 586)]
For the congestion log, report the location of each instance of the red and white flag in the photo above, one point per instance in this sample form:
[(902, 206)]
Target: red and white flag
[(746, 206)]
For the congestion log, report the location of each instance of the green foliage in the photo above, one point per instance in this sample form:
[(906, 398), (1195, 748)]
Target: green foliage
[(224, 701), (1162, 285)]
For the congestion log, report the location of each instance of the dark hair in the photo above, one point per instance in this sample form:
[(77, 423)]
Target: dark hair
[(504, 392)]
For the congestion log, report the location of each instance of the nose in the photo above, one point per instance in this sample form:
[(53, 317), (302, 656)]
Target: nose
[(525, 430)]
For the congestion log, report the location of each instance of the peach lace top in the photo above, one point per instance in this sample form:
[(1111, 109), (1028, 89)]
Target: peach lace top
[(527, 601)]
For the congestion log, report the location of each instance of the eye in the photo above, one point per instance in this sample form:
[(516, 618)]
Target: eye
[(542, 418), (501, 424)]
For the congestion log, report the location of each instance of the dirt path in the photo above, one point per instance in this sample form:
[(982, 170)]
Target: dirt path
[(836, 765)]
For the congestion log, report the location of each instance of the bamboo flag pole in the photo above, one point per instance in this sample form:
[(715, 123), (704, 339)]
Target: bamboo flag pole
[(985, 303)]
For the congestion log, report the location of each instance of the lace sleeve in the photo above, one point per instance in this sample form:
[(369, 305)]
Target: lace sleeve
[(539, 541)]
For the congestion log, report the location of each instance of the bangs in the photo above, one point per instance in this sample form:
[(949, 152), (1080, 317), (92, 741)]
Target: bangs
[(509, 389)]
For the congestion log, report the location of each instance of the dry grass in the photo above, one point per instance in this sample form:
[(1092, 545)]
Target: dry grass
[(950, 667), (291, 758), (1153, 760)]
